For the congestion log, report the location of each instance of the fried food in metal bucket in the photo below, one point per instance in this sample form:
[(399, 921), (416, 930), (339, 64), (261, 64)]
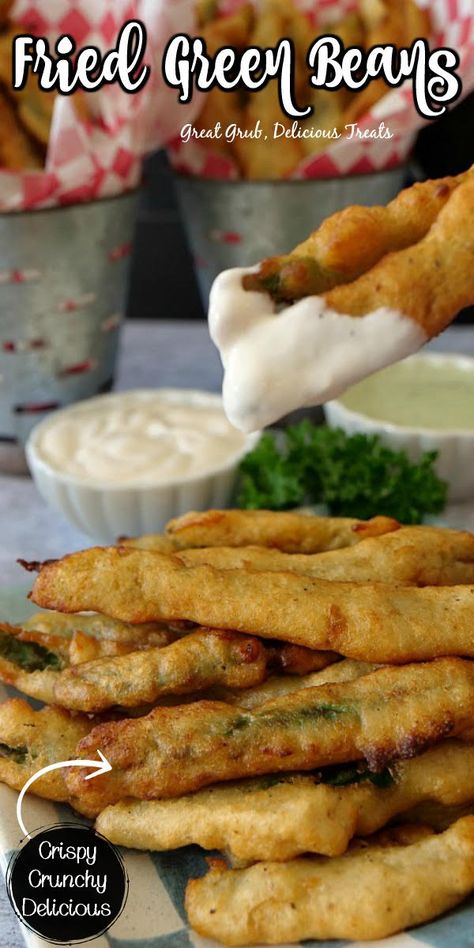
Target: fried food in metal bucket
[(285, 530), (403, 879), (33, 106), (31, 740), (327, 117), (7, 38), (26, 114), (353, 240), (278, 818), (5, 9), (223, 107), (219, 106), (371, 622), (420, 556), (233, 30), (173, 751), (257, 159), (35, 110), (17, 153), (275, 156), (206, 11), (387, 22)]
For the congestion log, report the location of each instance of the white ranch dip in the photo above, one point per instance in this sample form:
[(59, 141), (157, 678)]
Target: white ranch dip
[(139, 437)]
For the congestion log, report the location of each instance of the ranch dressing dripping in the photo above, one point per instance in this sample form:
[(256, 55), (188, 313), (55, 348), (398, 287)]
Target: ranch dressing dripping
[(276, 361), (139, 437)]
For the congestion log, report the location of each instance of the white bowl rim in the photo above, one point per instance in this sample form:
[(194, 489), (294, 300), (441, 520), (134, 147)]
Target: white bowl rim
[(190, 396), (376, 424)]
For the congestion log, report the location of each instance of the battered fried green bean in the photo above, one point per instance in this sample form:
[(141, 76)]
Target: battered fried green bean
[(173, 751), (278, 818), (370, 622), (31, 740)]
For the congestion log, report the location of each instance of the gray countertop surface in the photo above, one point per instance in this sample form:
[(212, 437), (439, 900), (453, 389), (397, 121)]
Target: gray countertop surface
[(152, 355)]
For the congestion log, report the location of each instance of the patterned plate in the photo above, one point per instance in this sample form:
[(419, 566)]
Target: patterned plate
[(154, 916)]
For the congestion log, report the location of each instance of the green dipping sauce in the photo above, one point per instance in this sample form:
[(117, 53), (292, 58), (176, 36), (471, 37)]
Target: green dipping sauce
[(418, 393)]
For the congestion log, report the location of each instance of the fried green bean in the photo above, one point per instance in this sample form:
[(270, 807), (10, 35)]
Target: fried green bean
[(402, 878), (280, 817), (369, 622), (34, 657), (173, 751), (284, 530), (31, 740)]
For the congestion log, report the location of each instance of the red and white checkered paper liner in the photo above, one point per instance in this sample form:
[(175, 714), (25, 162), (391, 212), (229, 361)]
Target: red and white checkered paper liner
[(453, 26), (87, 161)]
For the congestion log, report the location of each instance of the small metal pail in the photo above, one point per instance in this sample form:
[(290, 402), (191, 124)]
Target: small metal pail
[(63, 279), (237, 223)]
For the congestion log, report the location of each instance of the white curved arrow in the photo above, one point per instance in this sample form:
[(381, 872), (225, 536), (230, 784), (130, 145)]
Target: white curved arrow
[(101, 766)]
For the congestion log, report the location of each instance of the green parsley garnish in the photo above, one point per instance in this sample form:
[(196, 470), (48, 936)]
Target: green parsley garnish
[(354, 475)]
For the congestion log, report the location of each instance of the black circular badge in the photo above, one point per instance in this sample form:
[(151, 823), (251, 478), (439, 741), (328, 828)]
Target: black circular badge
[(67, 884)]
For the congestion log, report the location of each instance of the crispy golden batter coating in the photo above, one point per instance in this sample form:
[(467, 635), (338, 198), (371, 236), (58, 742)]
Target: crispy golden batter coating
[(352, 241), (33, 106), (35, 110), (420, 556), (157, 542), (30, 664), (173, 751), (371, 23), (197, 661), (279, 685), (133, 675), (232, 30), (16, 151), (31, 740), (286, 531), (385, 21), (220, 106), (370, 622), (371, 892), (5, 8), (258, 161), (436, 815), (296, 659), (430, 281), (278, 818), (94, 636), (37, 662)]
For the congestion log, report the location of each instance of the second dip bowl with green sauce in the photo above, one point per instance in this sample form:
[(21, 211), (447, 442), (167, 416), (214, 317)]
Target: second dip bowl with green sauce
[(425, 403)]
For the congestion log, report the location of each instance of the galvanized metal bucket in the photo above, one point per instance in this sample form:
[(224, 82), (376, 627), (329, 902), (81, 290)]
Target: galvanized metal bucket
[(63, 276), (237, 223)]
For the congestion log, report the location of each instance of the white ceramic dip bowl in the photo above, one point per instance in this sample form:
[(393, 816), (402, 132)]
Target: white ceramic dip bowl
[(439, 423), (130, 501)]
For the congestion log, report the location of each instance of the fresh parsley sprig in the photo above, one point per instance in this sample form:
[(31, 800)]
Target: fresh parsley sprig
[(354, 475)]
